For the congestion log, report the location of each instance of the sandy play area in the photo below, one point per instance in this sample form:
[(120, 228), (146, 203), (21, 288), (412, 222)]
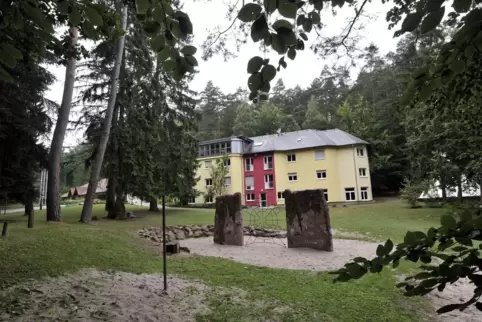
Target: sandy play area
[(271, 252)]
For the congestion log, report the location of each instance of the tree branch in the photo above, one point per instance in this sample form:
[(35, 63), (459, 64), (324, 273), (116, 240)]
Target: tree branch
[(358, 13)]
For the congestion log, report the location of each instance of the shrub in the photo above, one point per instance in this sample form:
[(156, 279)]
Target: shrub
[(411, 191)]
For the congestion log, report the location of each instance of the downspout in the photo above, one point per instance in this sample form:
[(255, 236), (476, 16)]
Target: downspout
[(356, 177)]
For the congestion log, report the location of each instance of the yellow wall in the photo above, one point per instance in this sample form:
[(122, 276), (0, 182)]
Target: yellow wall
[(341, 165), (235, 172)]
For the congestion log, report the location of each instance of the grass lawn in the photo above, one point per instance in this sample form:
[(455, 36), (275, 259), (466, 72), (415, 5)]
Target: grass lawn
[(53, 249)]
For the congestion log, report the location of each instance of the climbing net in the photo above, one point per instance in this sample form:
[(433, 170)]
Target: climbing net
[(264, 225)]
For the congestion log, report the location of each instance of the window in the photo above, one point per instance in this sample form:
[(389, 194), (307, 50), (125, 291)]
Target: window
[(364, 193), (214, 149), (208, 164), (249, 183), (321, 174), (291, 157), (209, 199), (227, 181), (350, 194), (250, 197), (281, 195), (192, 200), (325, 193), (363, 172), (227, 162), (268, 162), (209, 182), (268, 181), (292, 177), (320, 155), (249, 164), (360, 152)]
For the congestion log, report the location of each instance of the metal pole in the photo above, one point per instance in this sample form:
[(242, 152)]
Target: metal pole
[(164, 256)]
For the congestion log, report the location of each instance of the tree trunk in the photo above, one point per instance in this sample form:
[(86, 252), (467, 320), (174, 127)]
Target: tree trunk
[(153, 205), (29, 210), (459, 189), (86, 215), (53, 184), (110, 194)]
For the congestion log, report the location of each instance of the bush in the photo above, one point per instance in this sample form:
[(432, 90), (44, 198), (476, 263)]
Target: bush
[(411, 191), (70, 202), (99, 202)]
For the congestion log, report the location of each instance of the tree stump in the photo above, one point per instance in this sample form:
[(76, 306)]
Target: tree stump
[(228, 221), (173, 247)]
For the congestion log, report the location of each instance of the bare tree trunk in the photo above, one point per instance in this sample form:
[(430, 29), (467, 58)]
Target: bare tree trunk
[(459, 189), (153, 205), (86, 215), (29, 210), (110, 195), (53, 184)]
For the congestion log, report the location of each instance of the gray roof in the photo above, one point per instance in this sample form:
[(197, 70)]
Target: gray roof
[(301, 140)]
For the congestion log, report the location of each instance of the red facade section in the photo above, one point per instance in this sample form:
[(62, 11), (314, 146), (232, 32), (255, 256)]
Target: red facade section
[(263, 195)]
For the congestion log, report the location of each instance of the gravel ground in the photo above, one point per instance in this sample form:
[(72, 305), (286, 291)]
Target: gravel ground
[(93, 295), (271, 252)]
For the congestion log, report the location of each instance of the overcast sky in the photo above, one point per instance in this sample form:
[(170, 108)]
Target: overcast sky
[(232, 74)]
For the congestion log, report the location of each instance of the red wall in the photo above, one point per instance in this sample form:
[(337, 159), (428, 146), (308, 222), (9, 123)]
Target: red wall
[(258, 174)]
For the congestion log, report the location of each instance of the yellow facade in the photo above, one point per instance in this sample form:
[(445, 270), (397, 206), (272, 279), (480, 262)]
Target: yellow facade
[(235, 173), (341, 165)]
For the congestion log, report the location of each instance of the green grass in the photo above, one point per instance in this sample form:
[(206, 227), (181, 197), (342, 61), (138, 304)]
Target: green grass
[(54, 249)]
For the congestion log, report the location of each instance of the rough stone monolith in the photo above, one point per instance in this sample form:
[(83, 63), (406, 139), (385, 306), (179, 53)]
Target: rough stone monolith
[(228, 221), (308, 220)]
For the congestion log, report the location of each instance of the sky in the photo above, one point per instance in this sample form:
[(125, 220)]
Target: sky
[(231, 74)]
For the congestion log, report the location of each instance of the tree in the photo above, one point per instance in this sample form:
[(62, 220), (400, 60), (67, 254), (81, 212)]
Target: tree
[(211, 103), (245, 122), (315, 118), (219, 171), (86, 215)]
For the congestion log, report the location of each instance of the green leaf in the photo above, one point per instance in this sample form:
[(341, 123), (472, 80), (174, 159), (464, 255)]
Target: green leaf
[(164, 53), (449, 308), (425, 93), (75, 17), (300, 20), (277, 44), (270, 5), (7, 59), (338, 3), (287, 9), (37, 15), (381, 251), (457, 66), (268, 72), (169, 65), (191, 60), (448, 221), (288, 37), (5, 76), (434, 5), (376, 265), (12, 51), (185, 24), (64, 7), (255, 81), (263, 97), (308, 25), (259, 29), (462, 5), (282, 23), (252, 95), (158, 43), (315, 17), (151, 27), (411, 21), (360, 260), (396, 263), (464, 241), (292, 53), (410, 238), (175, 29), (254, 64), (189, 50), (93, 16), (432, 20), (142, 6), (265, 87), (88, 29), (158, 14), (249, 12), (355, 270), (304, 36), (388, 246), (469, 51), (318, 4)]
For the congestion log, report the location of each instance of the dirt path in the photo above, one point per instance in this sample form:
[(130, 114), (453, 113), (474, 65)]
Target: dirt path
[(93, 295)]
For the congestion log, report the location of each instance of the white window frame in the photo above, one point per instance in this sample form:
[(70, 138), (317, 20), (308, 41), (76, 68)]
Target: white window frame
[(209, 198), (208, 164), (317, 157), (281, 193), (292, 174), (245, 182), (248, 161), (364, 193), (291, 157), (267, 163), (250, 194), (325, 194), (206, 181), (360, 152), (364, 170), (226, 179), (319, 174), (352, 193), (268, 184)]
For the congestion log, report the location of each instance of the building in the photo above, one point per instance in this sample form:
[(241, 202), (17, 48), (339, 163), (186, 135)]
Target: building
[(262, 168)]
